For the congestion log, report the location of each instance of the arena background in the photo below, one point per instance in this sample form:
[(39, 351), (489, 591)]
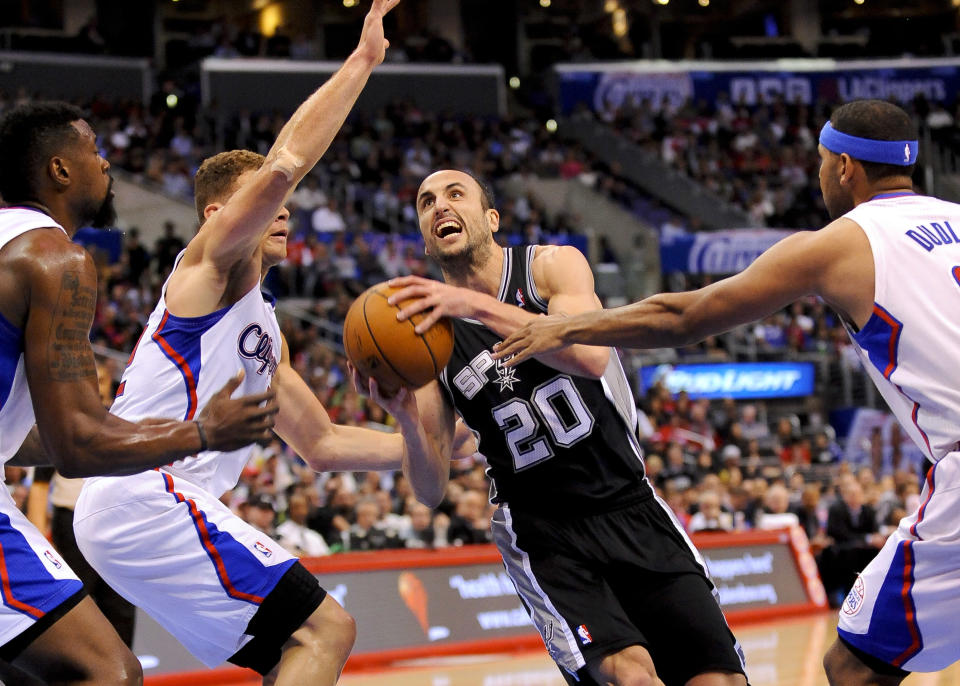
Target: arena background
[(671, 141)]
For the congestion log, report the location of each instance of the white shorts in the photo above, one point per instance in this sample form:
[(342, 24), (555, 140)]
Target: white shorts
[(176, 551), (35, 579), (903, 606)]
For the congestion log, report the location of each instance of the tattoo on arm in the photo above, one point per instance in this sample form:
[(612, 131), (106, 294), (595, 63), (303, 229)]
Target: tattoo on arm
[(69, 356)]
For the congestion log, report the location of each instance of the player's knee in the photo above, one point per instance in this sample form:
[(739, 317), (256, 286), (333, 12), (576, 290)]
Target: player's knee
[(630, 667), (329, 628), (125, 670), (837, 665)]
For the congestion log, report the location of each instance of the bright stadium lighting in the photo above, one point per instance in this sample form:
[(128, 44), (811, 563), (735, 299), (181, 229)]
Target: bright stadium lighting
[(544, 3), (609, 6), (172, 100), (857, 2), (662, 2), (514, 82), (704, 3), (551, 125), (349, 3)]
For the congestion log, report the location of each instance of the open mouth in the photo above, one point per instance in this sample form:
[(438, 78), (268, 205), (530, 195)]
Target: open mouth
[(279, 234), (448, 227)]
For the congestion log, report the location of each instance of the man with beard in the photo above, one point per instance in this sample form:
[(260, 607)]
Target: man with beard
[(889, 264), (54, 181), (614, 586)]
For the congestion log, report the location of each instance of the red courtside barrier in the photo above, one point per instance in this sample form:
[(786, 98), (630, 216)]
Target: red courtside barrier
[(414, 604)]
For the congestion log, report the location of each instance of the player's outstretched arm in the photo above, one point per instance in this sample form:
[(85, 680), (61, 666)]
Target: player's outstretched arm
[(303, 423), (239, 225), (76, 431), (833, 263)]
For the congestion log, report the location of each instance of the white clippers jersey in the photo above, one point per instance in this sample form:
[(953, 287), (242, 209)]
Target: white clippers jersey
[(180, 362), (16, 407), (911, 344)]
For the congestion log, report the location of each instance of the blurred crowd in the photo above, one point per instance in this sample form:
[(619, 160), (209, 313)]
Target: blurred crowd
[(719, 465), (762, 158)]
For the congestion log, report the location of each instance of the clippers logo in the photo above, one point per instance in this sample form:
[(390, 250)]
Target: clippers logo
[(255, 344), (53, 559), (854, 599), (262, 549), (585, 637), (519, 296)]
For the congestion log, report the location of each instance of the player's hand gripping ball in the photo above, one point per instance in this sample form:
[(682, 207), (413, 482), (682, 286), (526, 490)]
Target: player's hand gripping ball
[(391, 351)]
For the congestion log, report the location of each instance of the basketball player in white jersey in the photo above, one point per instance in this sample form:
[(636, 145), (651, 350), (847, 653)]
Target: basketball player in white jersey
[(224, 589), (53, 181), (890, 266)]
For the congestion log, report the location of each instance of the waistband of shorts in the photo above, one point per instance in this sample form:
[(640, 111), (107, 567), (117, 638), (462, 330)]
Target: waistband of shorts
[(575, 510)]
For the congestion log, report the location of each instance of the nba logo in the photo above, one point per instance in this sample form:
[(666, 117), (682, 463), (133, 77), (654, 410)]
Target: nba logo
[(53, 560), (519, 296), (585, 637), (262, 549)]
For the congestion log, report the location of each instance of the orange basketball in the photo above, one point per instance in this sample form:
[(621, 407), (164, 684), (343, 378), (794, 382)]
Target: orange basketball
[(389, 350)]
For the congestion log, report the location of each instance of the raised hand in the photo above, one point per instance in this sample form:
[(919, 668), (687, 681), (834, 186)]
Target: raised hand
[(441, 299), (232, 423), (542, 335), (372, 43)]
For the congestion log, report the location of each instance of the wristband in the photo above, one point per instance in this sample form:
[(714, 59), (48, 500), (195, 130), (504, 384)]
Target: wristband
[(203, 435)]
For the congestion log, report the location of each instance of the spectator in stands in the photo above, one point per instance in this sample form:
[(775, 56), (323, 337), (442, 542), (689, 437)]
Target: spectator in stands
[(751, 427), (365, 534), (776, 509), (677, 475), (710, 515), (261, 514), (852, 525), (294, 534), (166, 249), (136, 256), (469, 523), (427, 530)]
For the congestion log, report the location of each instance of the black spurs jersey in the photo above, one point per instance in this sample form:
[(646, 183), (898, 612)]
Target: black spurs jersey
[(554, 441)]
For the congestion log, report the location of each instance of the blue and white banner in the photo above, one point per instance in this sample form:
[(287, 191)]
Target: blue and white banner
[(606, 87), (716, 252), (733, 380)]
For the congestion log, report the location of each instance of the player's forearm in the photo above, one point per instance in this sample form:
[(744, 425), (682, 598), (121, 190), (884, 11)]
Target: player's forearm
[(661, 321), (426, 464), (311, 129), (117, 447), (580, 360), (351, 448)]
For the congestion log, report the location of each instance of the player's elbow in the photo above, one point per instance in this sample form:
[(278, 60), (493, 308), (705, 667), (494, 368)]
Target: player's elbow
[(593, 361)]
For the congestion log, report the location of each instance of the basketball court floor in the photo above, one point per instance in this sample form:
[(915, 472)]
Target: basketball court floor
[(779, 653)]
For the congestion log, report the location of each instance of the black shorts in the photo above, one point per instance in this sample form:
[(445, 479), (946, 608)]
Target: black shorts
[(294, 598), (596, 584)]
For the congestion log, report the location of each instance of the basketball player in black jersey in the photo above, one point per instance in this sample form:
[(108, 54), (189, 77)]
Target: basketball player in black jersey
[(614, 586)]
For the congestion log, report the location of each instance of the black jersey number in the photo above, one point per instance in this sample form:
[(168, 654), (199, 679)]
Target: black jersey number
[(560, 407)]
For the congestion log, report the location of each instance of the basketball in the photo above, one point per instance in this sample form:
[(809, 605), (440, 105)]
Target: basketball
[(389, 350)]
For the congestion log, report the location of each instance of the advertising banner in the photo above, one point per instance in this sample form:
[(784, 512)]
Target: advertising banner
[(412, 604), (606, 87), (733, 380), (717, 252)]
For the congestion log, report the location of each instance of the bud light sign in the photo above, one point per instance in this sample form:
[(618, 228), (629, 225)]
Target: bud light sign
[(747, 380)]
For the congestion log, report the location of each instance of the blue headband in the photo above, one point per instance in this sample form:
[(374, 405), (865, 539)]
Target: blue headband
[(900, 153)]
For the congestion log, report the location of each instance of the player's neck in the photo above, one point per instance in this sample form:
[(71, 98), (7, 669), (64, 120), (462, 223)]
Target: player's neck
[(896, 185), (59, 211), (484, 277)]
